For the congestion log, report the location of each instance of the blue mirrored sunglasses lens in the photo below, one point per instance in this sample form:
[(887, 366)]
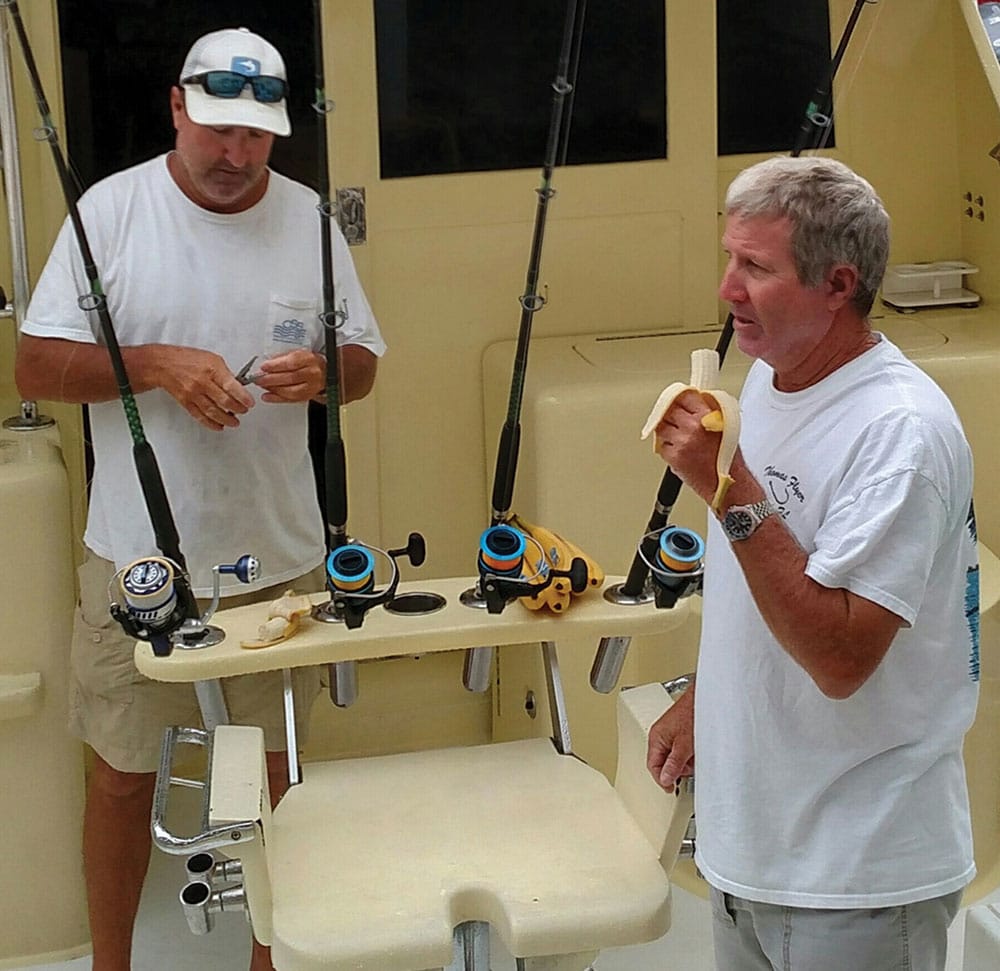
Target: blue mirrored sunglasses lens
[(229, 84), (268, 89), (224, 84)]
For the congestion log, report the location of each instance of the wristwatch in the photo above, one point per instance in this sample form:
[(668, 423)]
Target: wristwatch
[(739, 522)]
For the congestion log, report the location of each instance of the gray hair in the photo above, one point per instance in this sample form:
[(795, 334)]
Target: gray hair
[(836, 217)]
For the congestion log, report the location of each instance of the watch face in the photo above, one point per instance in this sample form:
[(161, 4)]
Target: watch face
[(738, 524)]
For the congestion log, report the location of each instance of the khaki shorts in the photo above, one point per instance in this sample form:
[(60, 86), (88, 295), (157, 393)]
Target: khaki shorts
[(122, 714)]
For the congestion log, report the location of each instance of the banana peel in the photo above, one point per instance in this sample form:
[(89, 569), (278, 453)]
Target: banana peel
[(724, 418), (283, 617)]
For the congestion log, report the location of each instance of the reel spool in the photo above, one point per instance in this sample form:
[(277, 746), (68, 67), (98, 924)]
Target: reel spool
[(678, 567), (350, 569), (501, 551), (350, 578), (152, 610), (501, 560)]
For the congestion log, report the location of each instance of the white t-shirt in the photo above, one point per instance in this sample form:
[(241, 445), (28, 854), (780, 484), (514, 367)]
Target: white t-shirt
[(806, 801), (241, 284)]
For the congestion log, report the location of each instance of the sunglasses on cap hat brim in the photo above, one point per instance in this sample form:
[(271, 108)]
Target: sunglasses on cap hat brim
[(229, 84)]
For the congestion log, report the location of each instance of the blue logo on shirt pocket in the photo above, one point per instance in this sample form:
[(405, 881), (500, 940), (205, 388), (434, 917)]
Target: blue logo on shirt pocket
[(290, 331)]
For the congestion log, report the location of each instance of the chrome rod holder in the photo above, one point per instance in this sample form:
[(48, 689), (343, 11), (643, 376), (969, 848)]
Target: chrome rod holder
[(608, 663), (343, 683), (200, 905), (557, 699), (216, 873), (477, 667)]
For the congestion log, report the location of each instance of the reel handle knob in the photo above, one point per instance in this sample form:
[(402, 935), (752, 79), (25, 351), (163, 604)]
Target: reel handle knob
[(578, 575), (246, 569), (416, 549)]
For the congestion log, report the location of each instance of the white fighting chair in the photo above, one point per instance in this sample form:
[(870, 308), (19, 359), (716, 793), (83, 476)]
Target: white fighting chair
[(404, 862)]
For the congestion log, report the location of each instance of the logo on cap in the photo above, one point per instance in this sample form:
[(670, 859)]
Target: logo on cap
[(247, 66)]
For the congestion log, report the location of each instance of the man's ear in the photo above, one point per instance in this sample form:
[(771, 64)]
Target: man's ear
[(842, 283), (177, 111)]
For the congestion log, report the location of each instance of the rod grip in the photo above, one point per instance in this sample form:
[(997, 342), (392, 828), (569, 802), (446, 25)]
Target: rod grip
[(336, 483), (167, 538), (503, 478), (666, 496)]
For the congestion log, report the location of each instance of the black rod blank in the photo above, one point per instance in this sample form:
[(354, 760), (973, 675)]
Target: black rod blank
[(335, 456), (532, 301)]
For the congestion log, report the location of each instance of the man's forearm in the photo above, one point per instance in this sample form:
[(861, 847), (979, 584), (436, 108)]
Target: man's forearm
[(836, 636), (60, 370)]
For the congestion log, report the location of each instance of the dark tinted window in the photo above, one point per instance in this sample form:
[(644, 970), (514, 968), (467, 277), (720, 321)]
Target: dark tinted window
[(467, 86), (120, 58), (463, 86), (771, 57)]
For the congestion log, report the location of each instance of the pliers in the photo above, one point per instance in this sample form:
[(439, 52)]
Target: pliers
[(244, 376)]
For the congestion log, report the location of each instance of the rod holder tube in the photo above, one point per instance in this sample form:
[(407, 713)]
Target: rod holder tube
[(476, 671), (200, 904), (206, 868), (344, 683), (608, 663)]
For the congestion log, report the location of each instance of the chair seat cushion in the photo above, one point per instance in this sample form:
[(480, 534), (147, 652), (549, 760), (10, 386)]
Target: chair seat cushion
[(375, 860)]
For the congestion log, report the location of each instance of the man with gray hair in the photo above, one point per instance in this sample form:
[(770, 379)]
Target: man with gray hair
[(839, 658)]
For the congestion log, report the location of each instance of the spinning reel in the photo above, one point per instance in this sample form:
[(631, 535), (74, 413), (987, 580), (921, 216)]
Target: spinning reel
[(678, 566), (350, 578), (158, 605), (501, 558)]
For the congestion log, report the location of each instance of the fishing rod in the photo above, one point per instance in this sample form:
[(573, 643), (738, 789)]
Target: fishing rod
[(574, 69), (531, 301), (159, 611), (501, 547), (335, 458), (611, 655), (350, 566), (818, 118)]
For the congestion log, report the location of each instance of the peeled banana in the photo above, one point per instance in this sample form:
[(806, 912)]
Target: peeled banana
[(282, 620), (724, 418)]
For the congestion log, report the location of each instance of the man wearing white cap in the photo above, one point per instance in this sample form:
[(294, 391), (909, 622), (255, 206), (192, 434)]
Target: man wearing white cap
[(208, 259)]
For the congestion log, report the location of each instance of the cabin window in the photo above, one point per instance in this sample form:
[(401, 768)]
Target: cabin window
[(771, 58), (464, 88), (460, 88), (120, 58)]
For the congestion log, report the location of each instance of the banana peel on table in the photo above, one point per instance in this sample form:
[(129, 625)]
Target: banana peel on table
[(724, 417), (283, 617), (556, 552)]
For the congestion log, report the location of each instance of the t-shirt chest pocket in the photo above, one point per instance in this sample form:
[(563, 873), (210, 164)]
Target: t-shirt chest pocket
[(291, 323)]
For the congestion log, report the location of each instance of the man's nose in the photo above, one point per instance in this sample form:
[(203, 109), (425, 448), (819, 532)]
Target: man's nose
[(238, 149), (731, 290)]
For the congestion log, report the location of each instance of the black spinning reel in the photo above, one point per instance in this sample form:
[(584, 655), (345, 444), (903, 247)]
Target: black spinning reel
[(158, 605), (502, 550), (350, 578)]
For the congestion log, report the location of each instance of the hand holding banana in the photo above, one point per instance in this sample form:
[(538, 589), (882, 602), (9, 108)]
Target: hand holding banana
[(724, 417)]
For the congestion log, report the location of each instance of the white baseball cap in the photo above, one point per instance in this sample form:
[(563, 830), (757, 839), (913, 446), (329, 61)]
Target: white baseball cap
[(219, 62)]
